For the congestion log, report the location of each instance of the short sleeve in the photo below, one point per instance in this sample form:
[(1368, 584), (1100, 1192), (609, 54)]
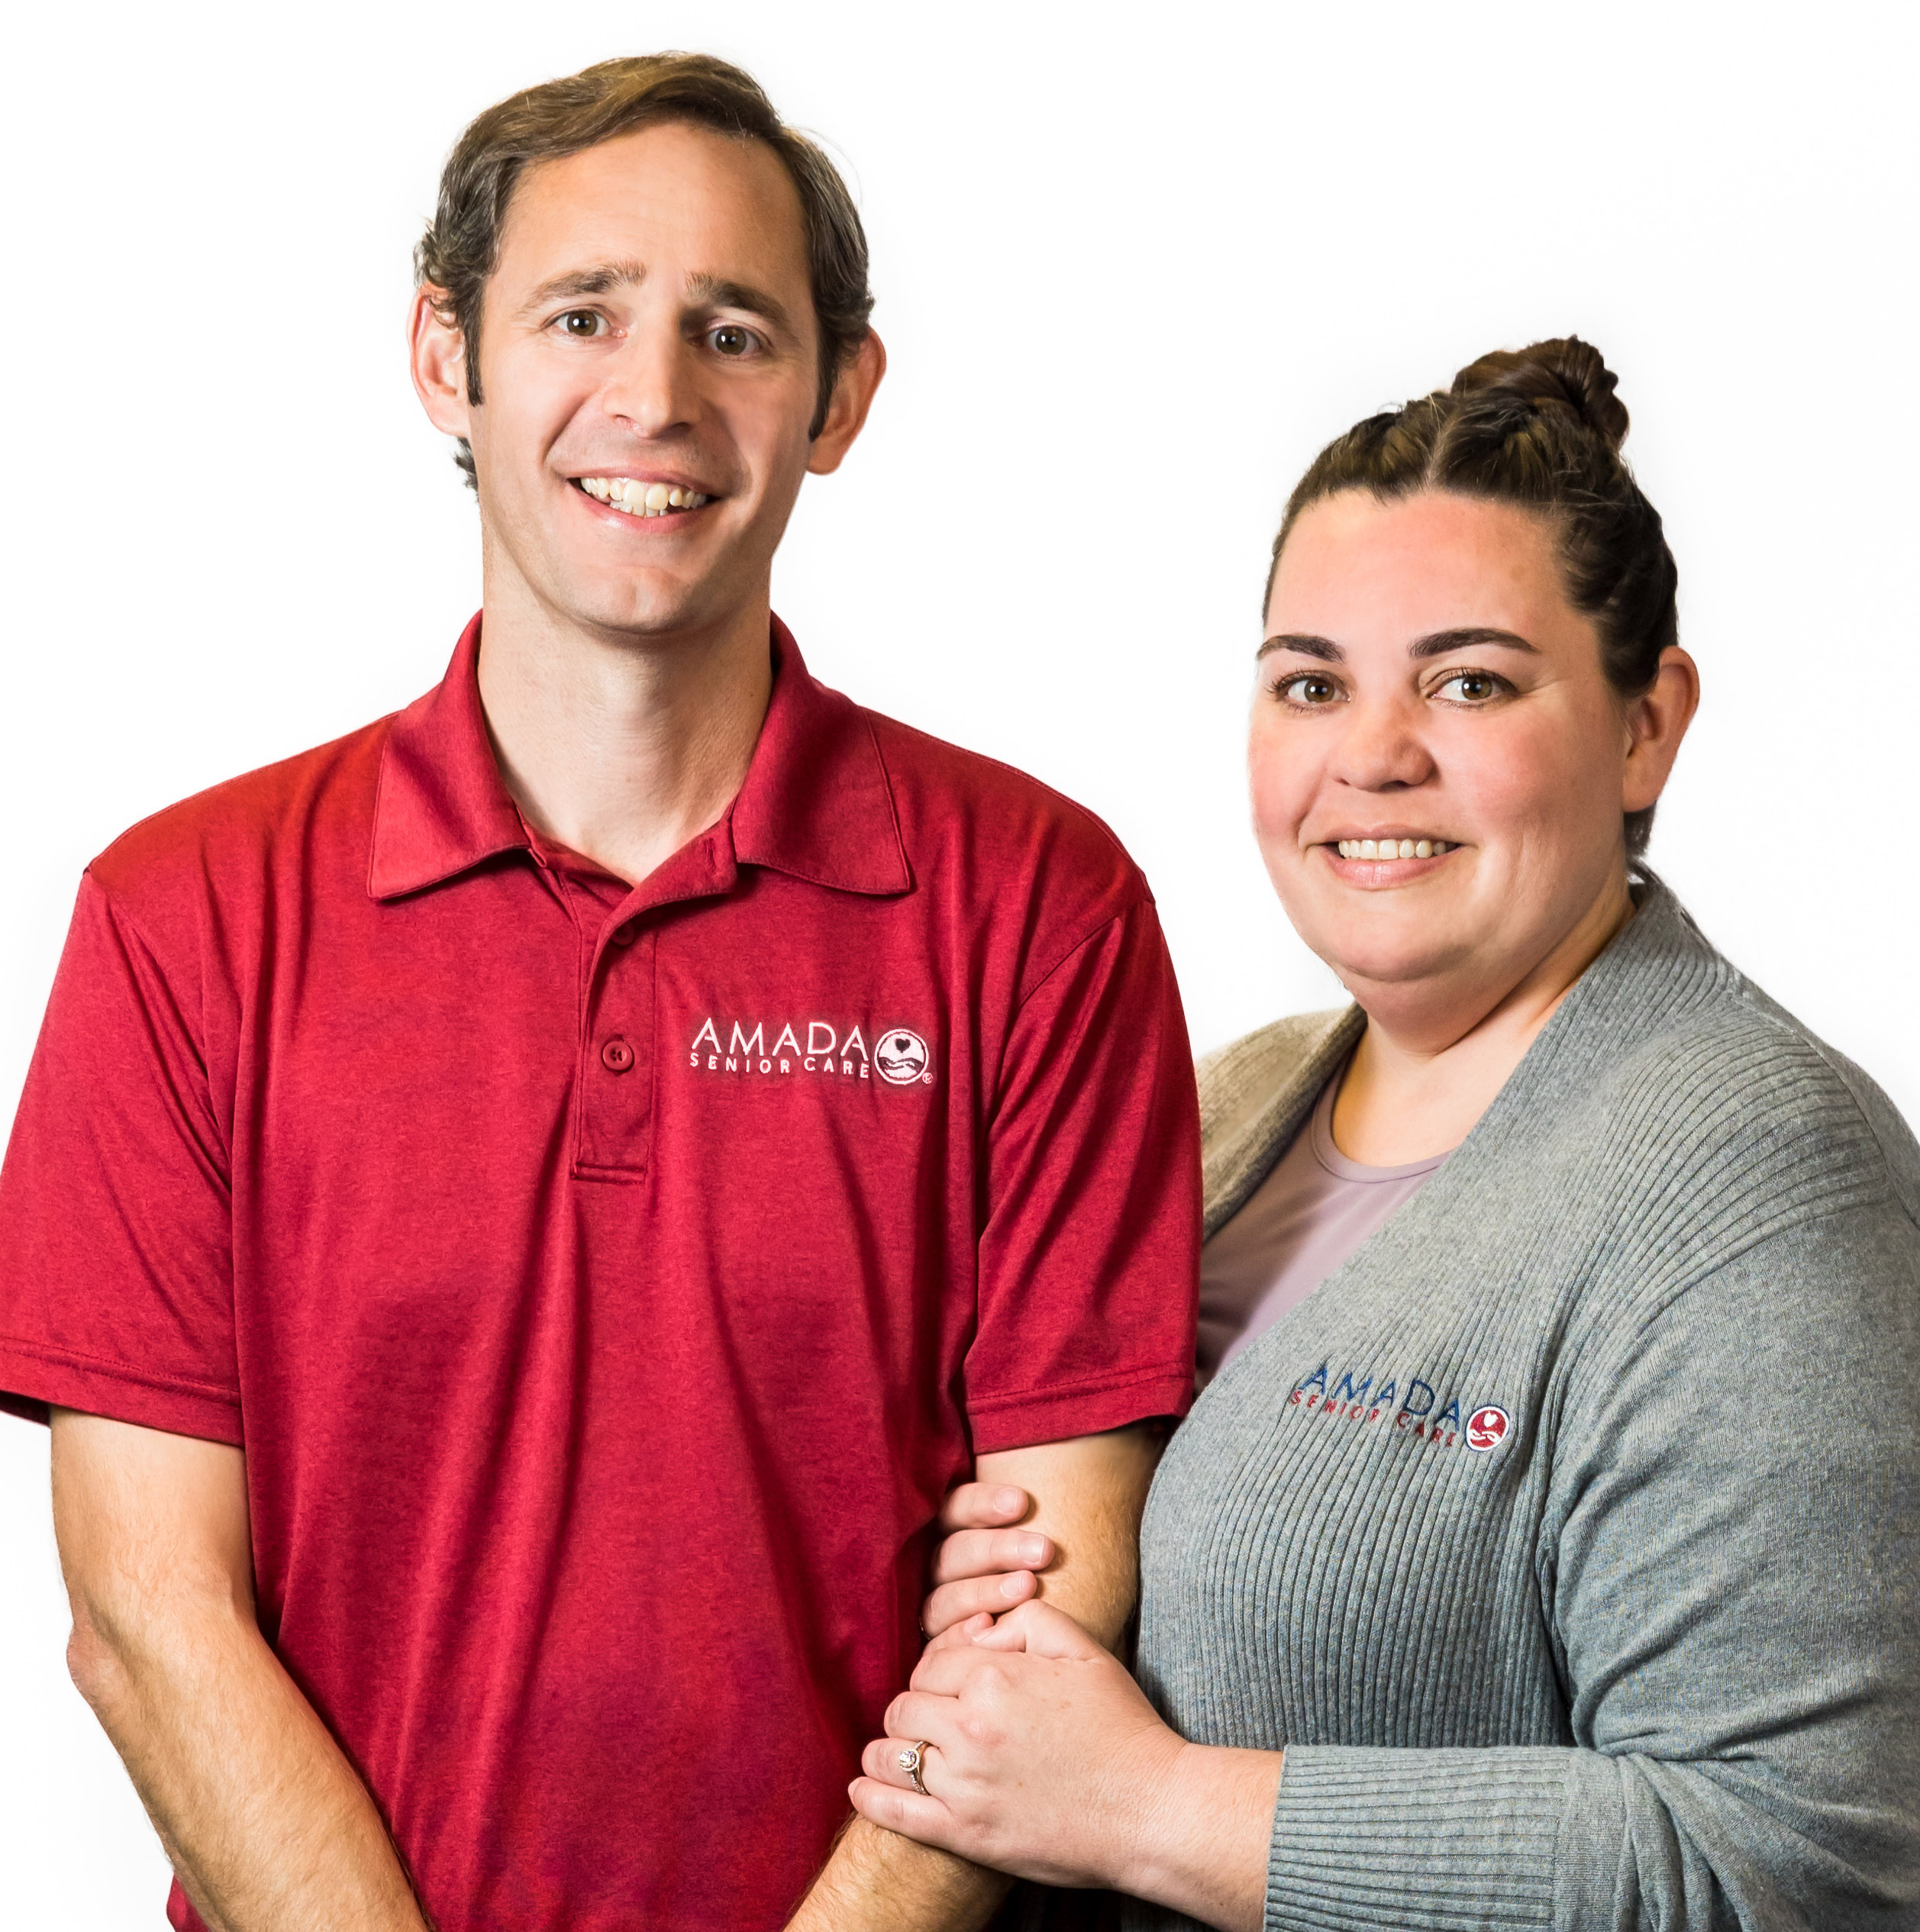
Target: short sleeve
[(115, 1211), (1090, 1253)]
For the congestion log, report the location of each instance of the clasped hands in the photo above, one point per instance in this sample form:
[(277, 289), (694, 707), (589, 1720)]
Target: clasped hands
[(1046, 1757)]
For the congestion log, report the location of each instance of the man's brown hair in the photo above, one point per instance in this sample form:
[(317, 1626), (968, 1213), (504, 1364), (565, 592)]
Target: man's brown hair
[(461, 247)]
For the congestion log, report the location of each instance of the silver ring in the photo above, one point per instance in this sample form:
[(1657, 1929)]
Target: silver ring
[(913, 1761)]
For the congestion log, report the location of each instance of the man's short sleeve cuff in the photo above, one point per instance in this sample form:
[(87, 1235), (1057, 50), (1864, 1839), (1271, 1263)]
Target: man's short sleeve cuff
[(1084, 1408), (33, 1378)]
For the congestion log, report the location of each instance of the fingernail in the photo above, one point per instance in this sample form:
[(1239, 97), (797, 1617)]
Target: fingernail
[(1033, 1549), (1010, 1500), (1014, 1585)]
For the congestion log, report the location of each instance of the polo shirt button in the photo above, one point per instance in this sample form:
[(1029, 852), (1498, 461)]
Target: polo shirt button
[(616, 1056), (623, 935)]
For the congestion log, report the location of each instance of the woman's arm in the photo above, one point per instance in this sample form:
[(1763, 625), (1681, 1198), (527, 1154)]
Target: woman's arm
[(1048, 1763), (1728, 1567), (1731, 1572)]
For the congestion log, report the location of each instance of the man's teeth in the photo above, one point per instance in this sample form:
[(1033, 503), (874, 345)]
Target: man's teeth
[(639, 499), (1393, 848)]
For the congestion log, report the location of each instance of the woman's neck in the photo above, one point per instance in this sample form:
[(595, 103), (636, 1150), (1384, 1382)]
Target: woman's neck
[(1403, 1098)]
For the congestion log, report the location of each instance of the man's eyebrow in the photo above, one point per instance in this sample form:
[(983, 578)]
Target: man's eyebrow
[(715, 291), (1323, 648), (1440, 642), (702, 290), (595, 281)]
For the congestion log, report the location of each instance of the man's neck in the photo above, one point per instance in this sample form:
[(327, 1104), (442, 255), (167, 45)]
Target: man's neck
[(623, 749)]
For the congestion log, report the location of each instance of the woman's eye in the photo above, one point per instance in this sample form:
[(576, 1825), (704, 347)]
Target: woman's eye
[(1470, 688), (1307, 688), (582, 322), (731, 339)]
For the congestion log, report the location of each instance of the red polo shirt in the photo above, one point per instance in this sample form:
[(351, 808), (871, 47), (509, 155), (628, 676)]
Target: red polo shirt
[(606, 1284)]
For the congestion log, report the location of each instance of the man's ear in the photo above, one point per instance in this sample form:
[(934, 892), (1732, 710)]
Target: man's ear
[(859, 376), (437, 353), (1657, 721)]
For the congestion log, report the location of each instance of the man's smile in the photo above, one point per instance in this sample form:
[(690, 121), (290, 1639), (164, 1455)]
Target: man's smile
[(640, 496)]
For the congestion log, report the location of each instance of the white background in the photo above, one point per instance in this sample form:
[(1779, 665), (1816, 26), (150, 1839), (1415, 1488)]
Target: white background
[(1133, 269)]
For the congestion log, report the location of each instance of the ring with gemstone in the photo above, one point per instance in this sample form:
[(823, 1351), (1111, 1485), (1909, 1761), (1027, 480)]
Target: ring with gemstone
[(913, 1761)]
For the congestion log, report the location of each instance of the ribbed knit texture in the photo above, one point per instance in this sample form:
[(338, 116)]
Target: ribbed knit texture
[(1653, 1658)]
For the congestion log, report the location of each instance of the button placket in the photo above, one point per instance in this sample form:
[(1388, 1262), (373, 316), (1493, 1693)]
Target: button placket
[(617, 1060)]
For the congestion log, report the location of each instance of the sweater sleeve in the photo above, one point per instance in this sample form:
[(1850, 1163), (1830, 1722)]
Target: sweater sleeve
[(1730, 1569)]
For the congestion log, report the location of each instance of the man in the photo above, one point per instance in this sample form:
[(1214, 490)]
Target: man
[(519, 1216)]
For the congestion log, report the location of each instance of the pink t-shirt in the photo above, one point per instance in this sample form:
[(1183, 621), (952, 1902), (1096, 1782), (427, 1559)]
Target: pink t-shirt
[(1312, 1211)]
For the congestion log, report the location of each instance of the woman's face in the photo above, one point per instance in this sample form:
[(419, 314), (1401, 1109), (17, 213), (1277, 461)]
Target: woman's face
[(1425, 679)]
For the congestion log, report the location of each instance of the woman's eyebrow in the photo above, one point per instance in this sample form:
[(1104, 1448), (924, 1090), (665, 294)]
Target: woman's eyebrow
[(1323, 648), (1438, 643)]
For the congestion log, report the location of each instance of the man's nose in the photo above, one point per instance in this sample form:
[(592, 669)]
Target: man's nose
[(1382, 748), (651, 387)]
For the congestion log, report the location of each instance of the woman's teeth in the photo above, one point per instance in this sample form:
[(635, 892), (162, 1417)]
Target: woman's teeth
[(640, 499), (1393, 848)]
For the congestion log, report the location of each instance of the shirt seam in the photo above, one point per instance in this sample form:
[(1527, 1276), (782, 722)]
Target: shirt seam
[(1039, 1396), (69, 1358), (1092, 818), (1141, 897), (123, 916), (1826, 1056)]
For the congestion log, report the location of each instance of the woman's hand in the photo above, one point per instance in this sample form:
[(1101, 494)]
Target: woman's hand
[(984, 1565), (1045, 1756), (1045, 1760)]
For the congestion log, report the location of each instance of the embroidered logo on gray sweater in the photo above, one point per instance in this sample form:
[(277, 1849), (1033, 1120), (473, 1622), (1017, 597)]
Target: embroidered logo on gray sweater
[(1418, 1413)]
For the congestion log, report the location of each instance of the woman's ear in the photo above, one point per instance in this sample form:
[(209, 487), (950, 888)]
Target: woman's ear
[(1657, 721)]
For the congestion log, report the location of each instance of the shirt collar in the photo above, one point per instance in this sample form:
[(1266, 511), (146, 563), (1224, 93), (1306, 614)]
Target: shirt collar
[(815, 804)]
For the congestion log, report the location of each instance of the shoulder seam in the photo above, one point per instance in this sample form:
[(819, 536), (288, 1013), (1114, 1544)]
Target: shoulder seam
[(122, 916), (237, 778), (1141, 897), (1824, 1054), (1092, 817)]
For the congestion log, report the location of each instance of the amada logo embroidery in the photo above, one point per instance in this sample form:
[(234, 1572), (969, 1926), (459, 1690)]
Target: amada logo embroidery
[(899, 1056), (1487, 1428), (1416, 1412)]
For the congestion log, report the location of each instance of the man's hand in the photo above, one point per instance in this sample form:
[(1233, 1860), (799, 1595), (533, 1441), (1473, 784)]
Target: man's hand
[(1082, 1499), (267, 1826), (985, 1565)]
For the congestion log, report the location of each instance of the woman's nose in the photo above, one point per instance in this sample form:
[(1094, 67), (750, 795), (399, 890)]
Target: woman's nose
[(1381, 749)]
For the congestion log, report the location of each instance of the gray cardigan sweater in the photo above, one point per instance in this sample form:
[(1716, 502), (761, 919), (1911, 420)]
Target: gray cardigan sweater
[(1567, 1538)]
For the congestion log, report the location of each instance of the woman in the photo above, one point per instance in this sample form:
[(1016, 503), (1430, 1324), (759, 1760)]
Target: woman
[(1543, 1553)]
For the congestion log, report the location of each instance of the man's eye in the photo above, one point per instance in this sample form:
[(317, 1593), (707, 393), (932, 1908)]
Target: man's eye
[(1470, 688), (731, 339), (582, 322), (1307, 688)]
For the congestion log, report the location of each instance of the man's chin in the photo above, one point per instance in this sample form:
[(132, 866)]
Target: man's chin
[(652, 610)]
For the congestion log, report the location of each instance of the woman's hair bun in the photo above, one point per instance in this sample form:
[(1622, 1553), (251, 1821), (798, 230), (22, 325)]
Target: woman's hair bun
[(1566, 371)]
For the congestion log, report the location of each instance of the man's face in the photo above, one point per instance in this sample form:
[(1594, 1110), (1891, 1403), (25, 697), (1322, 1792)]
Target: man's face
[(648, 339)]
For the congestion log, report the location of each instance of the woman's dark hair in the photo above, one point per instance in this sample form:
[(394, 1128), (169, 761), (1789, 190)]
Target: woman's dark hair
[(461, 246), (1539, 428)]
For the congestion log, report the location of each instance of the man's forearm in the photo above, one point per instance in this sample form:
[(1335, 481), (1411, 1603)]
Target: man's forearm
[(266, 1823), (260, 1810), (1088, 1493), (268, 1827), (876, 1881)]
